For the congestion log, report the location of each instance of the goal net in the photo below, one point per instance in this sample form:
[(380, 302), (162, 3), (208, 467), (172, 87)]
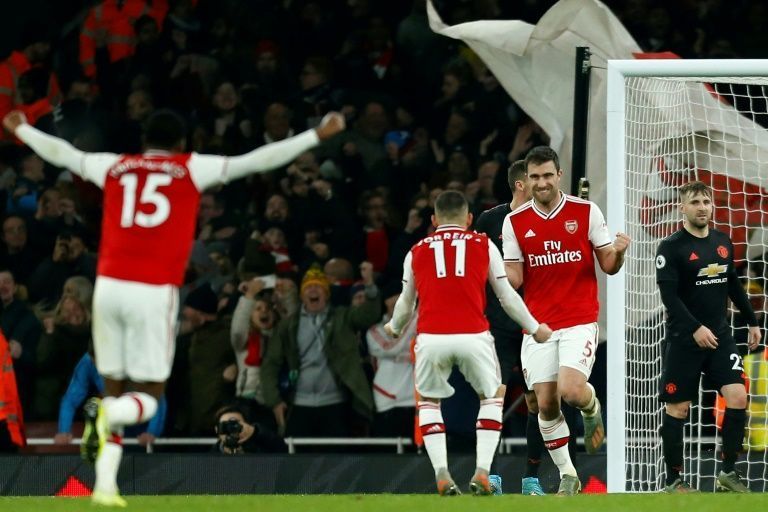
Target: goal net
[(670, 122)]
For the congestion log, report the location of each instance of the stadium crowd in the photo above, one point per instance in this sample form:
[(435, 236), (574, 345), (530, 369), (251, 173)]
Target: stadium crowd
[(293, 273)]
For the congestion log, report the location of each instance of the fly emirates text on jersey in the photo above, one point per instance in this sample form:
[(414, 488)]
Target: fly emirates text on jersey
[(553, 255)]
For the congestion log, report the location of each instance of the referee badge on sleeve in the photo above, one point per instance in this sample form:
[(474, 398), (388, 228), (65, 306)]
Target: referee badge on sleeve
[(660, 261)]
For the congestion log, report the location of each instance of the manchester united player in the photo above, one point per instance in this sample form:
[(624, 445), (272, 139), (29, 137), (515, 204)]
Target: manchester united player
[(148, 226), (696, 275), (448, 271), (552, 242)]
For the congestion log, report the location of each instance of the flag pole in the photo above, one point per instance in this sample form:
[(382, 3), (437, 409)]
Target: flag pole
[(579, 183)]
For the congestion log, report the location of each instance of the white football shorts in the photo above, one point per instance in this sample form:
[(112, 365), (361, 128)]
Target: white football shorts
[(134, 329), (574, 347), (474, 354)]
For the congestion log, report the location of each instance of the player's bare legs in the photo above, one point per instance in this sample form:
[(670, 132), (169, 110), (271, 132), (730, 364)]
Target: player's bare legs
[(556, 434), (489, 423), (433, 432), (671, 432), (733, 437), (579, 393), (126, 403)]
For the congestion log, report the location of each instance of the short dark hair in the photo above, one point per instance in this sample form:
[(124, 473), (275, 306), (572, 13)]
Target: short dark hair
[(516, 172), (165, 130), (540, 155), (450, 203), (227, 409), (694, 187)]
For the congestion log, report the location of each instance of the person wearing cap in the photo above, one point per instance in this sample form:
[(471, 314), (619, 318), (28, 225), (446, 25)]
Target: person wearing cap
[(210, 353), (327, 391)]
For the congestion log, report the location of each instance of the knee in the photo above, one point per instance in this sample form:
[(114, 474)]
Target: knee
[(678, 410), (737, 398), (572, 394), (548, 407), (531, 402)]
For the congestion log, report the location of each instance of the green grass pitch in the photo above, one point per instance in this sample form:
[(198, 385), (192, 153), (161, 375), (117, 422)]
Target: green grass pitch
[(404, 503)]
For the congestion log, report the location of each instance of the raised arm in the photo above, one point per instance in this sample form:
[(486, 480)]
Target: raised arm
[(58, 152), (406, 302), (610, 255), (216, 169)]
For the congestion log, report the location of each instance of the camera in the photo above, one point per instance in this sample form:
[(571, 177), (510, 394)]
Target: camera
[(231, 429)]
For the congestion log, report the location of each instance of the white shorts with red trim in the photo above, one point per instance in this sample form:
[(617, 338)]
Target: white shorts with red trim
[(474, 354), (134, 329), (574, 347)]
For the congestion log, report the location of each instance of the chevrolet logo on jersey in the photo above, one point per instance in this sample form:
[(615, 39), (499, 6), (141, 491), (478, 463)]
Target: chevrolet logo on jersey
[(713, 270), (710, 271)]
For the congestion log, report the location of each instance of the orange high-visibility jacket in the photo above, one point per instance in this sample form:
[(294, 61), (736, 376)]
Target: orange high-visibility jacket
[(10, 406), (117, 22), (10, 71)]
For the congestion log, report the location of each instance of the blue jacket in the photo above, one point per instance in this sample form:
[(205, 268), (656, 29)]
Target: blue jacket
[(84, 378)]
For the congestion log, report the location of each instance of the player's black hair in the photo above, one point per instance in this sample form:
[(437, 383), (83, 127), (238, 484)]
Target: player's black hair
[(694, 187), (450, 203), (541, 155), (516, 172), (165, 130)]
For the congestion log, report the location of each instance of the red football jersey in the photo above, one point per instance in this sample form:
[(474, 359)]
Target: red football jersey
[(149, 218), (556, 249), (450, 269)]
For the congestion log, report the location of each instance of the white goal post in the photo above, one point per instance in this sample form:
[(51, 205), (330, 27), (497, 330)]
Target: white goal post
[(668, 122)]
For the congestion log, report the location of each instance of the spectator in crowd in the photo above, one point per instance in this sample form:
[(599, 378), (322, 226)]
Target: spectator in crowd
[(86, 378), (70, 258), (325, 385), (236, 435), (17, 255), (341, 277), (22, 330), (210, 354), (252, 326), (67, 334), (393, 366), (32, 50)]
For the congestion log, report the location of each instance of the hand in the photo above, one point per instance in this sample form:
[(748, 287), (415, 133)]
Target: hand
[(230, 373), (146, 439), (414, 221), (437, 151), (49, 323), (323, 188), (62, 438), (366, 273), (705, 339), (390, 332), (754, 338), (279, 411), (486, 142), (15, 348), (251, 288), (522, 142), (60, 251), (542, 334), (621, 243), (332, 123), (13, 120)]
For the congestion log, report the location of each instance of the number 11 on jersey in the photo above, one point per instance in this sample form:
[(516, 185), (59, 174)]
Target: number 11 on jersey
[(439, 251)]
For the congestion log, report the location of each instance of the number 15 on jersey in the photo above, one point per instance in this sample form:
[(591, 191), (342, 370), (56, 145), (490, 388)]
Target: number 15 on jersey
[(149, 195)]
